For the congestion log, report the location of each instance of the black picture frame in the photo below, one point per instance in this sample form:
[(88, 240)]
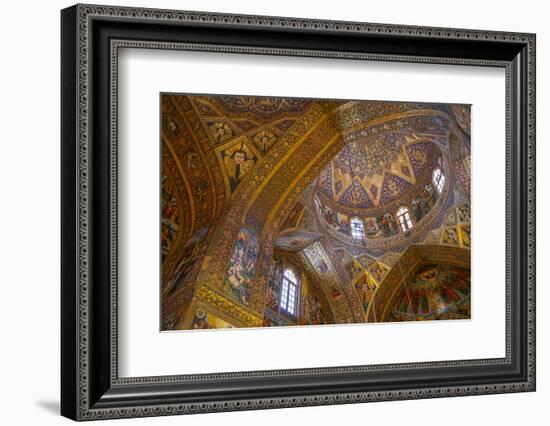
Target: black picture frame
[(90, 386)]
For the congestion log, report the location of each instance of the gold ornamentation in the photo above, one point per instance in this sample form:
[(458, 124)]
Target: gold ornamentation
[(233, 309), (238, 159), (220, 132), (465, 235), (264, 140), (450, 236)]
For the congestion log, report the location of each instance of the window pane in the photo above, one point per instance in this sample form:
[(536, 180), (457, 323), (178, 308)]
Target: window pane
[(404, 218), (357, 229), (290, 275), (289, 291), (438, 179)]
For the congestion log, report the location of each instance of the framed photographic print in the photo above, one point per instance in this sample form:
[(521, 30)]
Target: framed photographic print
[(263, 212)]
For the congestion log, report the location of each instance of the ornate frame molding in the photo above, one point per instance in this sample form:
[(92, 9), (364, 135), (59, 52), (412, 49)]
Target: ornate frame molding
[(91, 388)]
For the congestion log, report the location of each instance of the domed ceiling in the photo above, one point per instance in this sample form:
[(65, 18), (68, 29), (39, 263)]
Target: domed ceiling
[(371, 180), (374, 173)]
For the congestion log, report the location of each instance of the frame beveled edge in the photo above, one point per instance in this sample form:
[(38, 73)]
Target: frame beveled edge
[(76, 51)]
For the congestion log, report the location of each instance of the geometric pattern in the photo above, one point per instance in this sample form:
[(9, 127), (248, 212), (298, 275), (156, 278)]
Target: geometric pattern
[(284, 124), (392, 188), (264, 140), (356, 196), (419, 153), (375, 171), (324, 182), (261, 107)]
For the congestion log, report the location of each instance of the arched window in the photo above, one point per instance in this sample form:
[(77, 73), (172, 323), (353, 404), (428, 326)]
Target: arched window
[(357, 228), (404, 218), (289, 292), (438, 179)]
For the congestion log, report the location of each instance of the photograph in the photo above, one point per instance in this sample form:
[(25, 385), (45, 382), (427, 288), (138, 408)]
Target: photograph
[(285, 211), (272, 207)]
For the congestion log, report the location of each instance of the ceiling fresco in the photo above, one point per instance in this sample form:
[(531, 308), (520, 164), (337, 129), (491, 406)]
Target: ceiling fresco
[(376, 171), (433, 292), (340, 193), (261, 108)]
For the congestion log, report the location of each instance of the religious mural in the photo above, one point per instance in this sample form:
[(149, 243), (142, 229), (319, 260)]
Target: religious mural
[(385, 225), (186, 264), (203, 321), (424, 202), (170, 217), (242, 266), (238, 159), (279, 212), (312, 311), (365, 288), (434, 292), (273, 294)]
